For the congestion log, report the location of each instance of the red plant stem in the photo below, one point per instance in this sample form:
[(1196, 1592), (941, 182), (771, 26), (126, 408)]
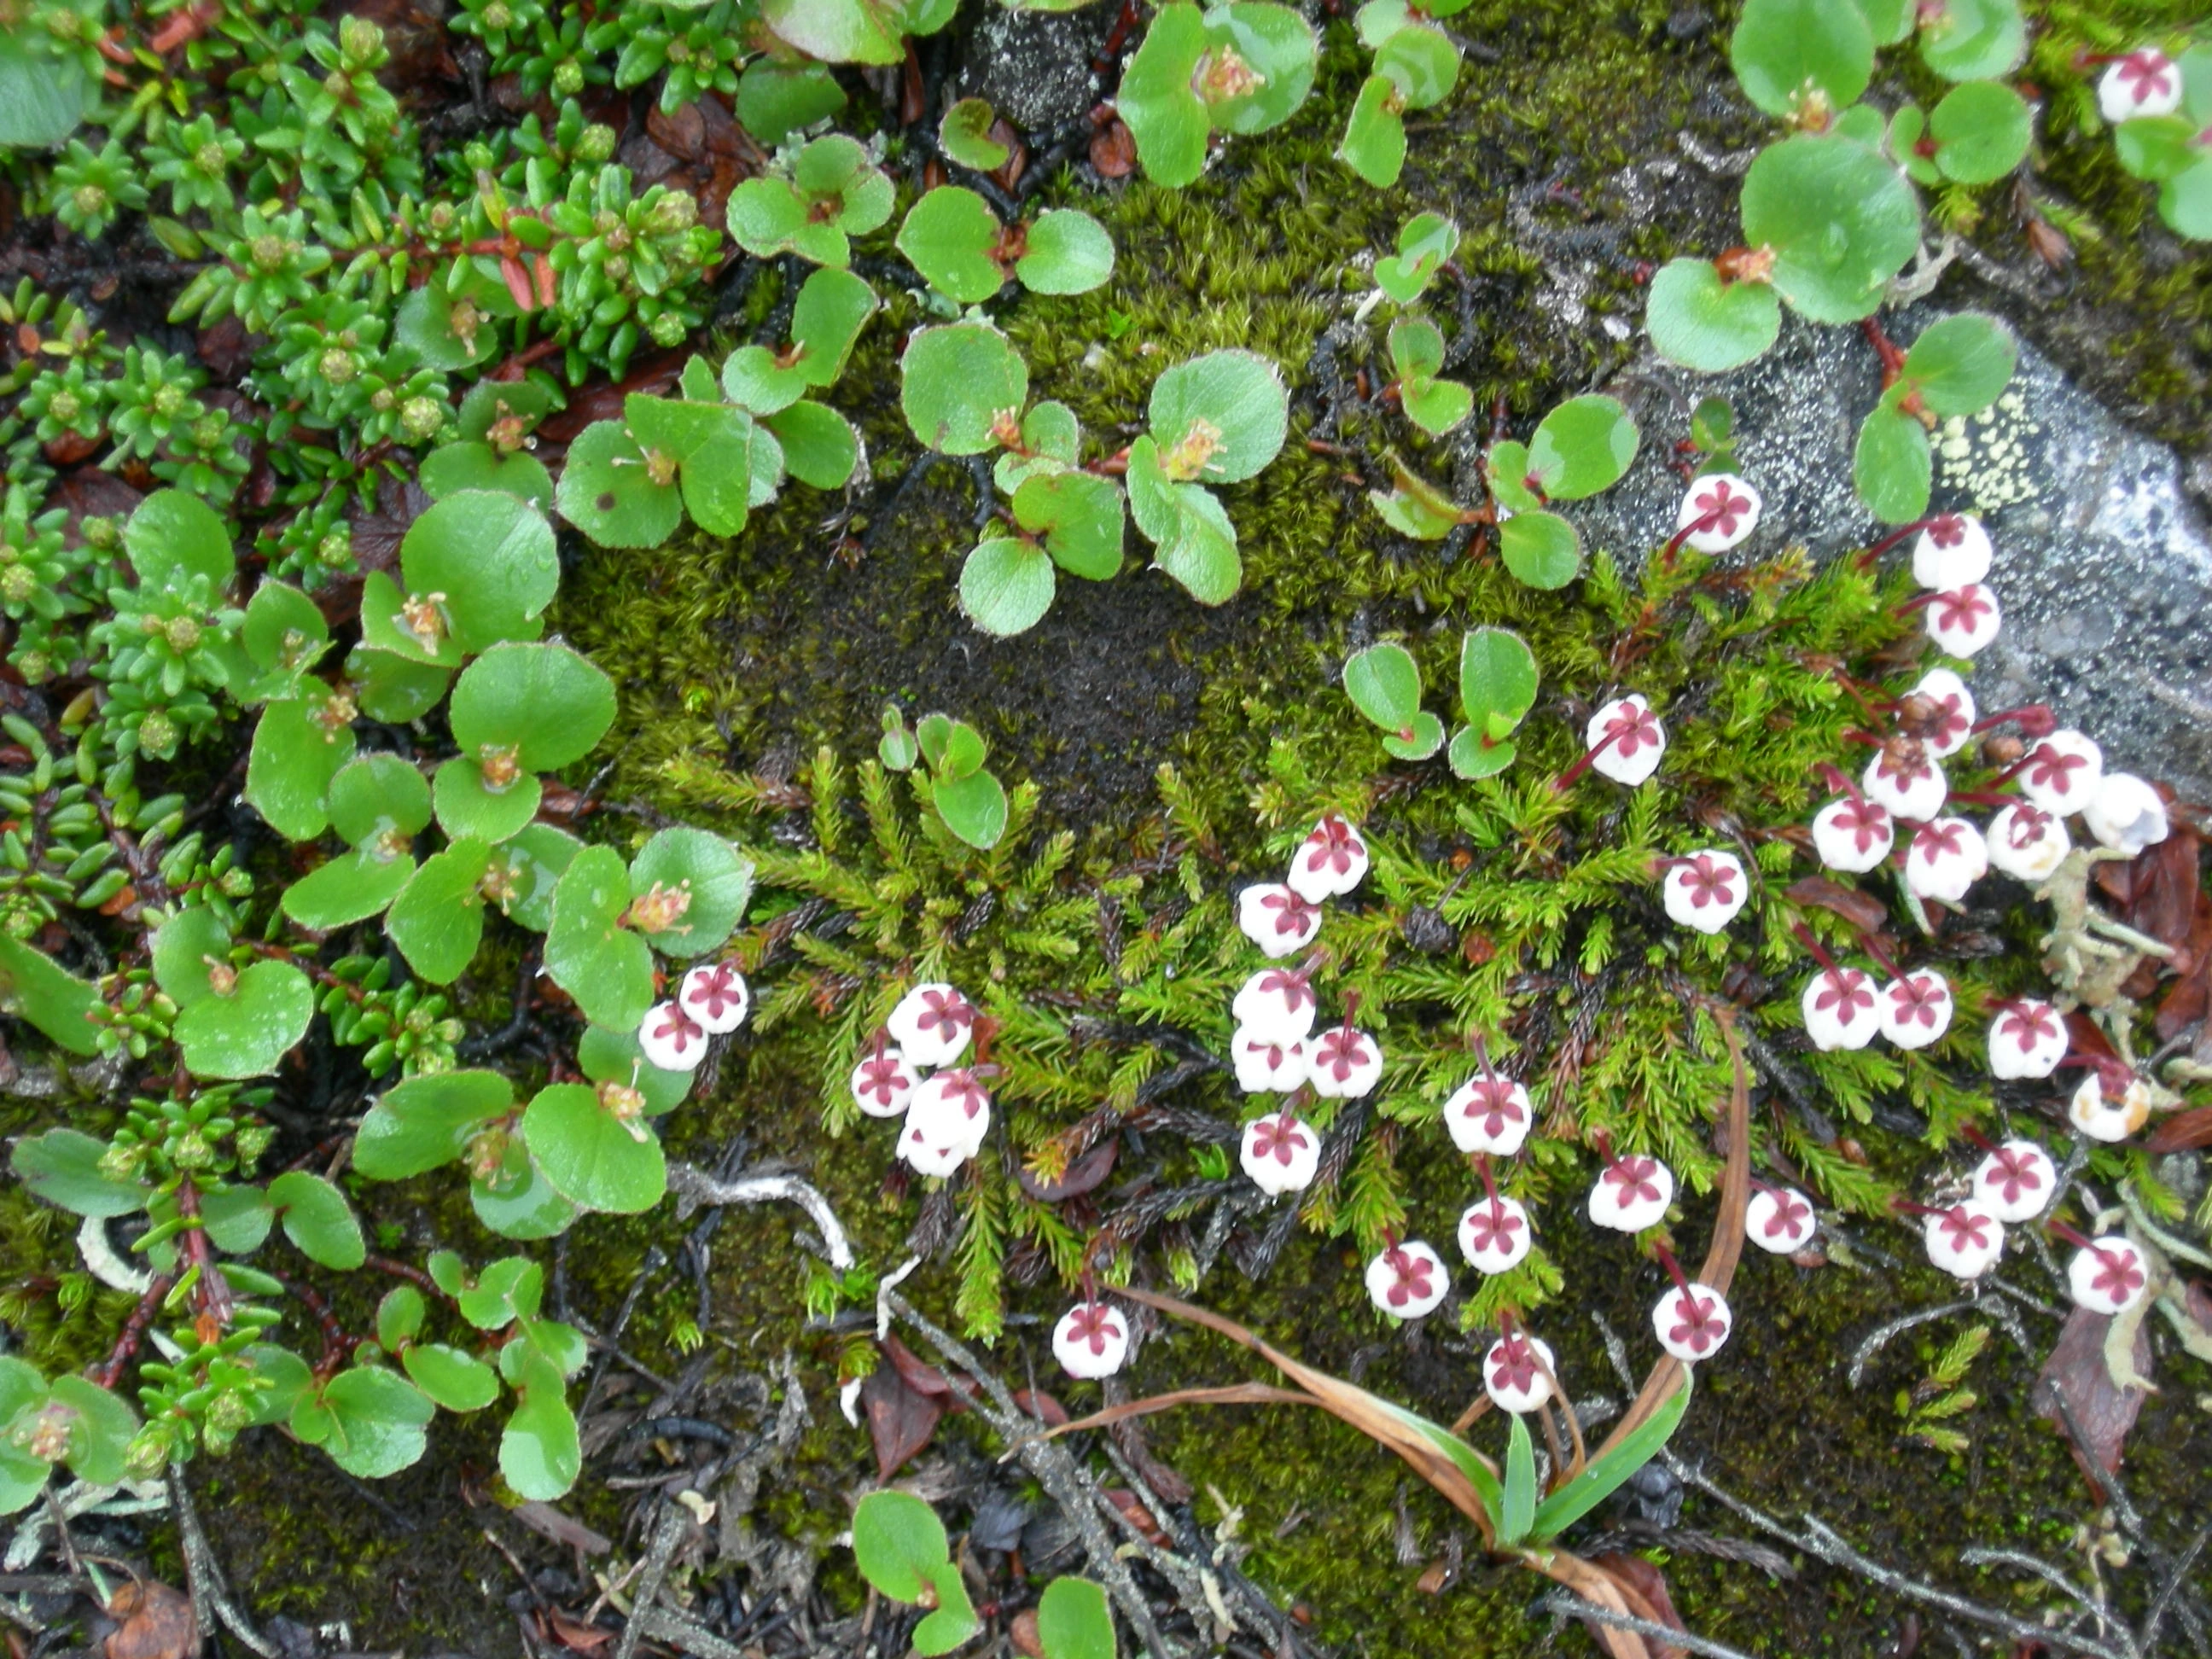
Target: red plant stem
[(1673, 1270), (1917, 601), (1914, 1207), (337, 1346), (1867, 945), (2060, 1229), (1840, 781), (1703, 521), (883, 1040), (412, 1274), (1489, 1180), (1869, 555), (1892, 359), (1482, 1059), (1819, 950), (1866, 737), (1565, 780), (2035, 719), (1978, 1138), (109, 1371), (210, 1290)]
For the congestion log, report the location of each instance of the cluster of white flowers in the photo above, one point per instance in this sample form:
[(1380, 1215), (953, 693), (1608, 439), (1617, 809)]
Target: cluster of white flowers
[(911, 1073), (710, 1000)]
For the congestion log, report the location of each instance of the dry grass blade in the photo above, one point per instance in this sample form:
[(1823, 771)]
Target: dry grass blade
[(1235, 1394), (1595, 1584)]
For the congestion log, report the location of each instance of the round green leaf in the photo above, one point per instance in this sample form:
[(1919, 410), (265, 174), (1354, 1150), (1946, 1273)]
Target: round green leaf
[(1421, 62), (367, 1419), (299, 743), (1073, 1621), (1540, 548), (236, 1219), (1078, 514), (896, 1540), (186, 949), (35, 987), (474, 464), (1195, 543), (1497, 679), (378, 795), (175, 542), (284, 632), (603, 965), (318, 1220), (1785, 50), (245, 1033), (1982, 131), (951, 237), (1166, 118), (508, 1289), (1384, 683), (1473, 756), (1273, 43), (1426, 242), (102, 1434), (964, 136), (518, 1202), (718, 878), (1435, 406), (1051, 438), (592, 1157), (1891, 21), (1067, 252), (1006, 585), (454, 1380), (43, 97), (953, 1623), (607, 1056), (437, 920), (491, 555), (1960, 364), (606, 491), (1973, 40), (540, 1454), (470, 809), (424, 325), (1702, 322), (957, 382), (1842, 222), (1583, 446), (1427, 737), (832, 308), (426, 1121), (1417, 348), (62, 1166), (348, 889), (544, 702), (974, 808), (1890, 466), (1220, 417), (2184, 200), (819, 444), (399, 1318), (1374, 144), (393, 686), (840, 31), (775, 99), (759, 380)]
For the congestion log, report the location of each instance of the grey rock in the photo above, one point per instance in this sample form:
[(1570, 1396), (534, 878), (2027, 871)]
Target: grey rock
[(2104, 565), (1034, 66)]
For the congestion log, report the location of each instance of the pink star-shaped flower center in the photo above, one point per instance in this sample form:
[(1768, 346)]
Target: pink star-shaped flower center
[(1948, 530), (1493, 1103), (2146, 74), (715, 992), (883, 1078), (1720, 508), (1949, 721), (1708, 881), (2027, 1026), (2029, 824), (1095, 1326), (946, 1013), (1789, 1213), (1281, 1138), (2013, 1173), (1699, 1326), (1916, 999), (2120, 1276), (2048, 767), (1940, 840), (1342, 1051), (1845, 990), (1290, 985), (1630, 729), (678, 1030), (1513, 1365), (1413, 1274), (1962, 608), (1633, 1175), (1967, 1230), (1492, 1229), (1292, 913), (1865, 822), (1333, 846), (1904, 766), (962, 1089)]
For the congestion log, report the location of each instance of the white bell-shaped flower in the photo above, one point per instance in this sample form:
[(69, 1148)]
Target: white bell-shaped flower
[(2144, 83), (1407, 1280), (1692, 1324), (1780, 1219), (1946, 710), (1091, 1340), (884, 1082), (1952, 552), (716, 997), (1329, 862), (1276, 1004), (1276, 919), (1706, 889), (1964, 621), (2062, 772), (1631, 738), (2026, 842), (932, 1023), (1281, 1153), (953, 1108), (2126, 814), (927, 1158), (671, 1039), (1489, 1114), (1343, 1063), (2107, 1276), (1494, 1235), (2102, 1115), (1905, 778), (1631, 1192), (1947, 857), (1723, 509), (1265, 1067), (2027, 1038), (1854, 835), (1964, 1241), (1914, 1008), (1840, 1011), (1517, 1372), (2015, 1182)]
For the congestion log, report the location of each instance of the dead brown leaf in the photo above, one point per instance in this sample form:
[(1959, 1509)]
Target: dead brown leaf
[(1086, 1174), (2182, 1132), (2105, 1410), (153, 1622), (901, 1421), (1863, 910)]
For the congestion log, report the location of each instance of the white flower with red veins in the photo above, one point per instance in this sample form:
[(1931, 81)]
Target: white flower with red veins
[(2014, 1182), (2126, 814), (1276, 919), (1517, 1372), (1276, 1004), (2027, 1038), (1489, 1114), (928, 1159), (1964, 1241), (1407, 1280), (1941, 712), (1946, 858), (884, 1082), (1952, 552), (1281, 1153), (2109, 1114), (1344, 1063), (1625, 740), (932, 1023), (1632, 1193), (1964, 621), (951, 1110), (1265, 1067), (1853, 834), (2062, 772), (1780, 1219), (1905, 778), (716, 997), (1718, 512), (1493, 1235), (2107, 1275), (1839, 1006), (2027, 843), (2143, 83), (671, 1039), (1691, 1322), (1914, 1008), (1704, 889), (1329, 862), (1091, 1341)]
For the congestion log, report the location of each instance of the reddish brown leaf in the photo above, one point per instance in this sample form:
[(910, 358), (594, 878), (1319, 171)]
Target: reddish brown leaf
[(1863, 910), (1641, 1581), (560, 1528), (682, 132), (900, 1420), (1022, 1632), (1083, 1176), (575, 1637), (2182, 1132), (1136, 1514), (1041, 1405), (2157, 890), (2105, 1410), (1113, 151), (916, 1373), (153, 1622)]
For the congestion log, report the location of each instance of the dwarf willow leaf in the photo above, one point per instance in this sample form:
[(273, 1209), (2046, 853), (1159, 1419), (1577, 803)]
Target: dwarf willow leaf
[(1425, 242), (605, 1056), (1051, 438), (1416, 347), (959, 381), (62, 1166), (1435, 406), (1497, 679), (470, 809), (518, 1201), (491, 557), (1701, 321), (1165, 117), (236, 1219), (524, 872), (1786, 51), (368, 1420), (456, 1380), (425, 326), (1067, 252), (964, 136), (540, 1454), (299, 744), (1218, 418), (853, 31), (1841, 220), (606, 491), (1374, 144), (437, 920), (1421, 62), (896, 1540), (1973, 40), (590, 954), (761, 381), (390, 686), (34, 986), (1272, 73), (43, 98), (378, 794), (593, 1157), (545, 704), (1384, 683), (951, 237), (832, 308), (1890, 465), (425, 1122), (284, 634), (1982, 131), (1073, 1621), (174, 540), (711, 879), (1006, 585), (244, 1031), (1541, 549), (974, 807), (1960, 364), (819, 444), (1583, 445), (318, 1220), (1194, 541), (775, 99), (1078, 515), (1890, 21), (100, 1436)]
